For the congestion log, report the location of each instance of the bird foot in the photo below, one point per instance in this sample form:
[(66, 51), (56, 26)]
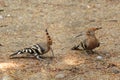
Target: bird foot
[(75, 48), (89, 52)]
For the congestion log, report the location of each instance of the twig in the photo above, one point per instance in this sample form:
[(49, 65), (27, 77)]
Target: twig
[(3, 25), (1, 10)]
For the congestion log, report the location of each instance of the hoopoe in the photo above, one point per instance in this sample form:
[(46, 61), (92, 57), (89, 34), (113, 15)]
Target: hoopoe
[(90, 42), (38, 49)]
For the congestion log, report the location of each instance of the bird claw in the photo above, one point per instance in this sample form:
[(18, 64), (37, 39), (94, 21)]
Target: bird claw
[(40, 59), (75, 48)]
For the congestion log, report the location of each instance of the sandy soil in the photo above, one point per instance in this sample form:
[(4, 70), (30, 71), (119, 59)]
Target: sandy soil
[(22, 24)]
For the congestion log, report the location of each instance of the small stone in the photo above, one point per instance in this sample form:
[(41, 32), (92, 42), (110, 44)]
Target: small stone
[(99, 57), (60, 76), (38, 76), (115, 70), (8, 15), (80, 78), (20, 17), (7, 77), (1, 17), (88, 6)]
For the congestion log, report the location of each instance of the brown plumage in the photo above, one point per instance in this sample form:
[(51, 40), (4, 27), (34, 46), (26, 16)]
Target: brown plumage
[(90, 42)]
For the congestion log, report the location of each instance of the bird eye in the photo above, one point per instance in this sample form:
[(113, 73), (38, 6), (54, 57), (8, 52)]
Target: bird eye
[(89, 32)]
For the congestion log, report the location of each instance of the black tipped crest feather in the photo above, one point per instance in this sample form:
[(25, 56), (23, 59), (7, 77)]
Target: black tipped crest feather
[(49, 40)]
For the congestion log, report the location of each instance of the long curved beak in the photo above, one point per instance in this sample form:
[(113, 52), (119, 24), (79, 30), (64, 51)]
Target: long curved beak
[(81, 33), (98, 28), (78, 35)]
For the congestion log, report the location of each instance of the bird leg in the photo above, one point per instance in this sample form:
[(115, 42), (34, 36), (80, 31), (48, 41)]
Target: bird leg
[(89, 51), (52, 51), (75, 47)]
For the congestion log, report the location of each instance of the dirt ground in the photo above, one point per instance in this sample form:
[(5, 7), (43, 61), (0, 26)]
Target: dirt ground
[(22, 24)]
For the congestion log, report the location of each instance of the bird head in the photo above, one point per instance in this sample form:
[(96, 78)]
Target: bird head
[(91, 31)]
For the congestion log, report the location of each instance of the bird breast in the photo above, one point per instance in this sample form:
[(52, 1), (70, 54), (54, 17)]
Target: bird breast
[(92, 43), (45, 47)]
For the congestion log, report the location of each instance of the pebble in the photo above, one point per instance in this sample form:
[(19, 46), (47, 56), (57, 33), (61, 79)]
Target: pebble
[(99, 57), (37, 76), (60, 76), (8, 15), (1, 17), (20, 17), (80, 78), (7, 77), (115, 70), (88, 6)]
